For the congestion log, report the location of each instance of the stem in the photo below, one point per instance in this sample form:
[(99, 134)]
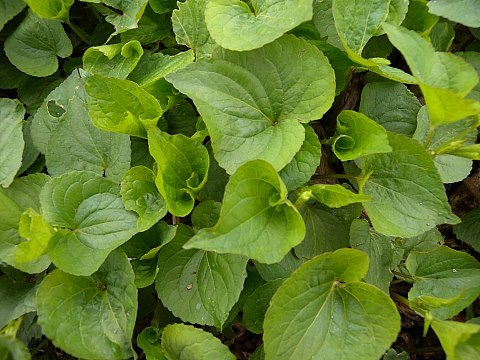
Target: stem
[(79, 32), (400, 298), (402, 275), (176, 220), (336, 176), (429, 138)]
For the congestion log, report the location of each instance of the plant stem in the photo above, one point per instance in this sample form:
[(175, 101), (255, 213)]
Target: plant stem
[(400, 298), (79, 32), (336, 176)]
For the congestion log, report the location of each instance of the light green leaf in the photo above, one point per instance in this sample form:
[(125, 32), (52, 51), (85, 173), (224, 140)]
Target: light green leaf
[(121, 106), (452, 168), (466, 12), (11, 139), (357, 136), (460, 341), (140, 194), (182, 167), (311, 314), (198, 286), (14, 349), (90, 218), (324, 232), (251, 107), (469, 229), (391, 105), (91, 317), (357, 21), (155, 66), (149, 340), (17, 297), (408, 197), (124, 15), (305, 162), (19, 196), (380, 250), (335, 196), (184, 342), (116, 60), (279, 270), (257, 220), (236, 26), (444, 273), (397, 11), (257, 304), (8, 10), (51, 9), (35, 44), (76, 144), (188, 23)]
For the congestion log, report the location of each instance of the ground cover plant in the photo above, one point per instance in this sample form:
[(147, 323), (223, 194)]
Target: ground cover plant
[(221, 179)]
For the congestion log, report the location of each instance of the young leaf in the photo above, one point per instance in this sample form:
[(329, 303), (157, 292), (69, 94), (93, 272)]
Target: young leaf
[(116, 60), (11, 139), (35, 44), (257, 220), (188, 23), (233, 25), (250, 105), (444, 273), (335, 196), (198, 286), (466, 12), (358, 21), (90, 218), (121, 106), (19, 196), (91, 317), (51, 9), (460, 341), (182, 165), (408, 197), (391, 105), (184, 342), (469, 229), (311, 314), (303, 165), (140, 194)]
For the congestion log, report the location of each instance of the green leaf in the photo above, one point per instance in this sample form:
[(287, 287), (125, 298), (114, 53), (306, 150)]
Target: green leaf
[(423, 242), (124, 15), (155, 66), (188, 23), (357, 136), (206, 214), (466, 12), (116, 60), (460, 341), (182, 165), (391, 105), (11, 139), (418, 18), (51, 9), (12, 348), (303, 165), (442, 36), (19, 196), (17, 298), (8, 10), (324, 231), (469, 229), (121, 106), (324, 22), (140, 194), (251, 107), (261, 24), (152, 28), (35, 44), (335, 196), (256, 220), (217, 179), (91, 317), (162, 6), (257, 304), (90, 218), (408, 197), (149, 340), (184, 342), (452, 168), (198, 286), (76, 144), (311, 314), (358, 21), (380, 250), (444, 273), (279, 270)]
